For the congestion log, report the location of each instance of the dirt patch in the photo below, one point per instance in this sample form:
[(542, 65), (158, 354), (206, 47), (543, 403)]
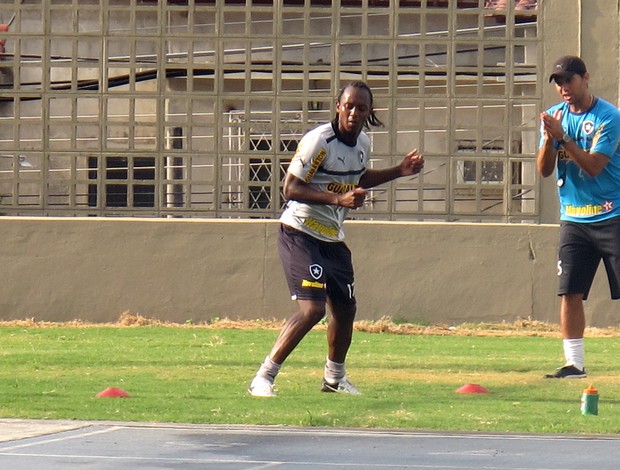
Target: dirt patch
[(383, 325), (517, 328)]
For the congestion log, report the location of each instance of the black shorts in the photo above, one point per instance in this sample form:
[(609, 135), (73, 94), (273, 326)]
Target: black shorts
[(581, 248), (315, 269)]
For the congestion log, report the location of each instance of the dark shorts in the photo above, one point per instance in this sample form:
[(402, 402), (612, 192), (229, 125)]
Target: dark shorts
[(581, 248), (315, 269)]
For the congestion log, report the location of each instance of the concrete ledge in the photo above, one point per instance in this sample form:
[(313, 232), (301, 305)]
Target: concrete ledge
[(94, 269)]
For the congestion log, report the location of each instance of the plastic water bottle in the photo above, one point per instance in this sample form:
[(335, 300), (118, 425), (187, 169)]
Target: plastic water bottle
[(589, 401)]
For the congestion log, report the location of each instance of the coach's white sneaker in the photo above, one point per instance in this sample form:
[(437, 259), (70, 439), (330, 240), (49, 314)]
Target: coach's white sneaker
[(261, 387)]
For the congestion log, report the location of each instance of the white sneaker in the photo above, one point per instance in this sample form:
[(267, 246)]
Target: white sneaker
[(344, 386), (261, 387)]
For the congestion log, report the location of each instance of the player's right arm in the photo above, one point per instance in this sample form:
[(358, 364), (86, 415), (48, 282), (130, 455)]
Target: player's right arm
[(298, 190), (545, 162)]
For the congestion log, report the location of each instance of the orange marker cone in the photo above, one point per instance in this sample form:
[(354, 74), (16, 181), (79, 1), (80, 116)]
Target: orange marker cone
[(472, 388), (113, 392)]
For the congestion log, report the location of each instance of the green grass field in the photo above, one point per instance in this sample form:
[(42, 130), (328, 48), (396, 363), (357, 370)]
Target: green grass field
[(200, 375)]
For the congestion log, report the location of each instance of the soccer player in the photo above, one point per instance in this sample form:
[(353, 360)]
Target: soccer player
[(327, 177), (580, 137)]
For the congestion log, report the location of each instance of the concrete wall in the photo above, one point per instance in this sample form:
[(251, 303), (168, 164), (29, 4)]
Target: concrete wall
[(60, 269)]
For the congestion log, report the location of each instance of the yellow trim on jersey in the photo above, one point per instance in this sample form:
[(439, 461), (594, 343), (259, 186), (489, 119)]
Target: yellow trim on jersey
[(340, 188), (315, 165), (583, 211), (318, 227)]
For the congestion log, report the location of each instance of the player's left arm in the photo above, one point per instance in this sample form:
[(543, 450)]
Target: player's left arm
[(590, 162), (412, 164)]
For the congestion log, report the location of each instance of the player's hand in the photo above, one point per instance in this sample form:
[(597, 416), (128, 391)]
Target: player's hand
[(353, 199), (552, 125), (412, 164)]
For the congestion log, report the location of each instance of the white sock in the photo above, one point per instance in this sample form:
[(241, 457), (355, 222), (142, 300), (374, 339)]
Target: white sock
[(269, 369), (574, 352), (334, 371)]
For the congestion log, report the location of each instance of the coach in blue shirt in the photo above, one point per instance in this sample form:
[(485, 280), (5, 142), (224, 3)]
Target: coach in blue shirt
[(580, 139)]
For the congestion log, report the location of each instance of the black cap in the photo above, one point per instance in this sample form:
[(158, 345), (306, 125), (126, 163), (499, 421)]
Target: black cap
[(567, 66)]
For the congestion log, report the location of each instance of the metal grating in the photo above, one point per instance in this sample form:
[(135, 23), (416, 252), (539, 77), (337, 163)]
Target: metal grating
[(194, 108)]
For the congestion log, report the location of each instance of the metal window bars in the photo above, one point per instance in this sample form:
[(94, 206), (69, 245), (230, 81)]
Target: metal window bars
[(194, 108)]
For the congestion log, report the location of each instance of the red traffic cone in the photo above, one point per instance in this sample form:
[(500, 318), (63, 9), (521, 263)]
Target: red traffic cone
[(113, 392), (472, 388)]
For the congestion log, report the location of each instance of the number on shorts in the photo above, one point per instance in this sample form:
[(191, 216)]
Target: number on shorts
[(351, 289)]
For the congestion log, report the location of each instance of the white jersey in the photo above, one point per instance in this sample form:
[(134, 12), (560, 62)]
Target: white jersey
[(329, 165)]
